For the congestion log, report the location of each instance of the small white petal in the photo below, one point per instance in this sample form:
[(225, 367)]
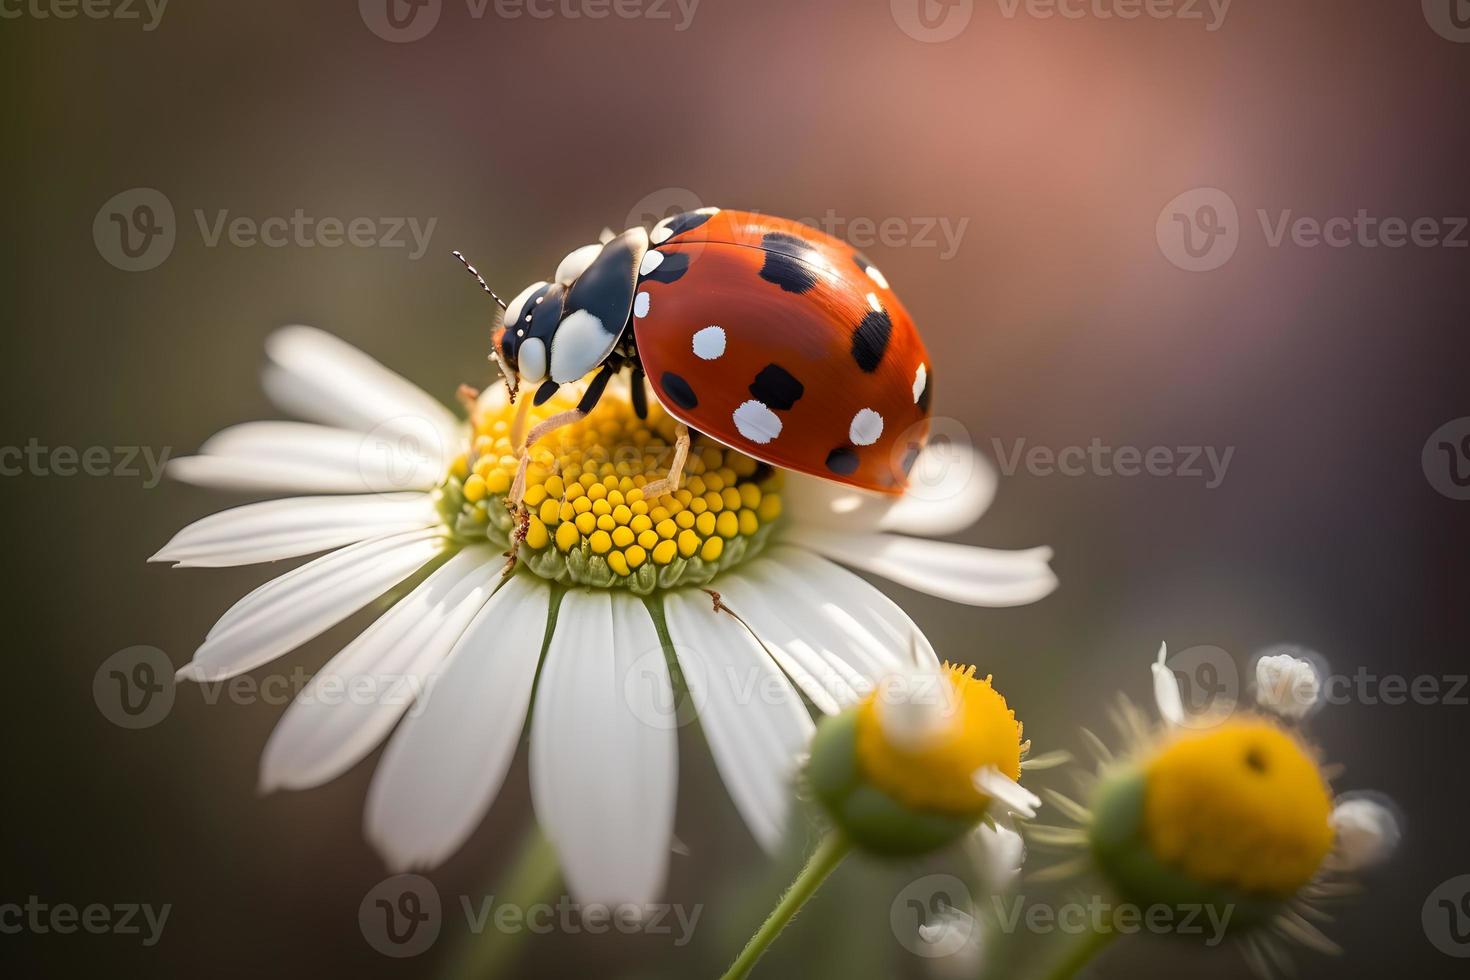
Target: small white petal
[(1166, 690), (603, 769), (444, 766), (755, 723), (1287, 685), (287, 611), (276, 529), (960, 573), (1010, 794), (998, 853), (1367, 832), (361, 693)]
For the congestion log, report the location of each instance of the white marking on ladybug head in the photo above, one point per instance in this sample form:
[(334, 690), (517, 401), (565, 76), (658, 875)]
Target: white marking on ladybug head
[(877, 276), (652, 259), (576, 263), (921, 381), (661, 234), (867, 426), (709, 343), (710, 210), (531, 359), (579, 345), (756, 422), (517, 306), (640, 306)]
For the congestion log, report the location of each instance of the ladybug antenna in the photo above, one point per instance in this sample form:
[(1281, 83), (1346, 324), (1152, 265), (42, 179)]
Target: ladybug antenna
[(479, 279)]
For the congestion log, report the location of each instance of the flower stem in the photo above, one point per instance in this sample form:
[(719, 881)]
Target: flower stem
[(823, 862), (533, 875), (1094, 941)]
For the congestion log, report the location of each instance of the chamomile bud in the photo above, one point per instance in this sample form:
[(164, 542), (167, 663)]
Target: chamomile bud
[(920, 761), (1288, 683), (1367, 833)]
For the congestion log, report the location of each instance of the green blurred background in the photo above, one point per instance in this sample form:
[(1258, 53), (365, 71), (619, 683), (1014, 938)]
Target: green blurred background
[(1051, 144)]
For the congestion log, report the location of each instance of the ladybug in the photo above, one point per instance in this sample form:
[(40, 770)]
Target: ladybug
[(769, 336)]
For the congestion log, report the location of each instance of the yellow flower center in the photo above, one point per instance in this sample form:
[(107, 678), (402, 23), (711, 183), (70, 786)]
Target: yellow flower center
[(589, 521), (1242, 805), (923, 742)]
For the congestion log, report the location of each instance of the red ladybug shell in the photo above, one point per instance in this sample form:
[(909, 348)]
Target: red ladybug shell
[(784, 343)]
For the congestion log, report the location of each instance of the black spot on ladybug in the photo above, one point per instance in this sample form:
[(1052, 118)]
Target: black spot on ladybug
[(687, 221), (678, 391), (776, 387), (674, 265), (870, 340), (842, 461), (780, 241), (788, 272)]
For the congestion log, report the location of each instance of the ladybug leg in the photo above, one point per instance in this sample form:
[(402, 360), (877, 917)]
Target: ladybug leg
[(545, 427), (675, 476), (638, 392)]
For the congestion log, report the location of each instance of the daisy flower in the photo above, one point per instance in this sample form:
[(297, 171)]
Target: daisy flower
[(1232, 814), (934, 754), (726, 590)]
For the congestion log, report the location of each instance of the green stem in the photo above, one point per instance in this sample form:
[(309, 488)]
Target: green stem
[(823, 862), (534, 875), (1091, 943)]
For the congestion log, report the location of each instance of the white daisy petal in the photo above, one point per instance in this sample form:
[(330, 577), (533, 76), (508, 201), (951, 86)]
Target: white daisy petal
[(753, 719), (1166, 690), (319, 377), (287, 611), (443, 767), (997, 853), (603, 753), (295, 526), (781, 623), (357, 697), (389, 458), (959, 573), (950, 486), (1006, 791)]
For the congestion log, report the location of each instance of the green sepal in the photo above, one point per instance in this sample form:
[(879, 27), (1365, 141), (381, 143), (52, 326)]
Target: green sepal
[(1121, 850), (873, 820)]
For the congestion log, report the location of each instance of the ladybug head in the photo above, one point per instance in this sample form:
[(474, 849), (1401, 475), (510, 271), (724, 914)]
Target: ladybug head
[(530, 320)]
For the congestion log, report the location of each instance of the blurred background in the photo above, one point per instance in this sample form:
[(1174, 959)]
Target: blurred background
[(1094, 218)]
